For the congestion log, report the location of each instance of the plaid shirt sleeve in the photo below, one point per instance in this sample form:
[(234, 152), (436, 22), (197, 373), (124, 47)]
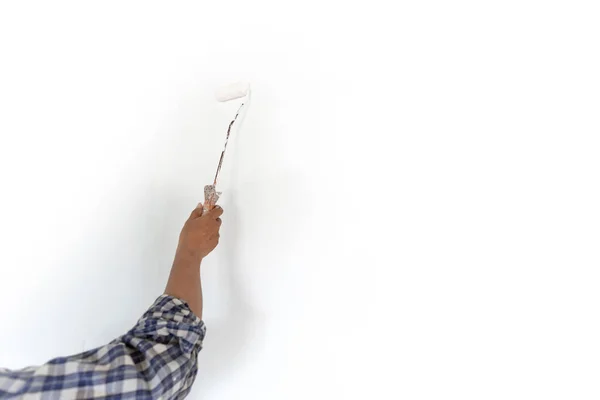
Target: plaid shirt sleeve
[(154, 360)]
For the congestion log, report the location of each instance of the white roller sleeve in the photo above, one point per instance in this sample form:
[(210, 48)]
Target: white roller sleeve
[(233, 91)]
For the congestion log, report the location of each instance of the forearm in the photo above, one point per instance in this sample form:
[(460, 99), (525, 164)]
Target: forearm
[(199, 236), (184, 281)]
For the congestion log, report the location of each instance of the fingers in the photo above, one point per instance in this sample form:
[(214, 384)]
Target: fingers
[(217, 226), (198, 211), (215, 213)]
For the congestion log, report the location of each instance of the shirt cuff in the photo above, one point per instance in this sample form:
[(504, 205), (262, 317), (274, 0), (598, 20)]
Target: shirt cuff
[(170, 320)]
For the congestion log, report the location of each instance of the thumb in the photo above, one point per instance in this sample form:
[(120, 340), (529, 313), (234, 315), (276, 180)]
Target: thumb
[(197, 213)]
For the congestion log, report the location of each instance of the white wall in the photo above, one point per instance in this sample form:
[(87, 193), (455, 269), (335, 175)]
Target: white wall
[(411, 207)]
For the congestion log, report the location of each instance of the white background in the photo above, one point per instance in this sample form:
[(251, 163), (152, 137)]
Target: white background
[(411, 207)]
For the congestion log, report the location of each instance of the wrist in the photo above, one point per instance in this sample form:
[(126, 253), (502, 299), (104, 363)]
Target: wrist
[(187, 258)]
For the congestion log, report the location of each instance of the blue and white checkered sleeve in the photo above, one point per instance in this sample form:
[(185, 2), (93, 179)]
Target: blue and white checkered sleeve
[(155, 359)]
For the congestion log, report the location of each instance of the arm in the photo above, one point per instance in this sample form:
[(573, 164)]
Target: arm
[(157, 358), (199, 236)]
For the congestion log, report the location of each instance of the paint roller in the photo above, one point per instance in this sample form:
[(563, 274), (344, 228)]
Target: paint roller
[(239, 90)]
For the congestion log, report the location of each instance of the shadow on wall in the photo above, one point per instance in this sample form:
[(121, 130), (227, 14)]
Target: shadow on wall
[(235, 338), (228, 336)]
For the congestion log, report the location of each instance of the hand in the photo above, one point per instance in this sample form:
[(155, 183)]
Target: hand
[(200, 233)]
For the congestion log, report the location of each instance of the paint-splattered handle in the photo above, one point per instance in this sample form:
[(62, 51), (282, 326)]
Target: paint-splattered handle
[(211, 196)]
